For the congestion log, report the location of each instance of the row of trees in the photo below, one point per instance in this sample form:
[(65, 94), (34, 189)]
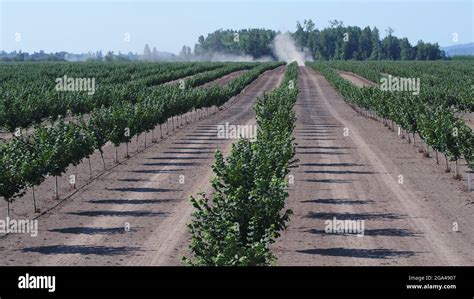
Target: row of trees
[(26, 99), (435, 124), (254, 42), (27, 161), (341, 42), (444, 84), (247, 210), (336, 42), (36, 56)]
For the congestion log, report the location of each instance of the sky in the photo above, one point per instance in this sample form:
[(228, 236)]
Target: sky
[(80, 26)]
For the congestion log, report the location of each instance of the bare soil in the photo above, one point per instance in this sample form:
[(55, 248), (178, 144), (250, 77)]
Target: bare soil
[(356, 79), (357, 177), (224, 79)]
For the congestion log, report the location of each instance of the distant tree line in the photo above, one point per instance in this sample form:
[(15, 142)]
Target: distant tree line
[(65, 56), (37, 56), (337, 42), (254, 42)]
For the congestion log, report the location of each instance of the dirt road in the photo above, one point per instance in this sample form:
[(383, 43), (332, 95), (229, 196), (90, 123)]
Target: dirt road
[(136, 214), (224, 79), (410, 207), (356, 79)]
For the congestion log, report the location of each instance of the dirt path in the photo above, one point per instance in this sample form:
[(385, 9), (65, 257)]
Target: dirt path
[(357, 178), (147, 193), (173, 82), (224, 79), (356, 79)]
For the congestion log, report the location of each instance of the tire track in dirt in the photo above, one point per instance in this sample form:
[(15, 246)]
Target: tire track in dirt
[(356, 178), (145, 192)]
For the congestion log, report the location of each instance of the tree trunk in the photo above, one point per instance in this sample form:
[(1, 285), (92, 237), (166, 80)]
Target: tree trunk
[(437, 160), (75, 177), (469, 182), (103, 160), (90, 168), (56, 192), (34, 199), (116, 153), (137, 143), (447, 164), (126, 150)]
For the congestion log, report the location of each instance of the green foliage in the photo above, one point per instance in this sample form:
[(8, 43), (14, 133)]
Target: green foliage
[(246, 211), (254, 42), (26, 161), (28, 95), (340, 42), (427, 114)]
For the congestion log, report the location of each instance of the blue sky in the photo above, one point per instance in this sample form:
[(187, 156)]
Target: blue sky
[(82, 26)]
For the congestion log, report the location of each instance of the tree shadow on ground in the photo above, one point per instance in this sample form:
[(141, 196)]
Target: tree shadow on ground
[(92, 230), (171, 164), (328, 181), (151, 171), (359, 253), (354, 216), (117, 213), (142, 189), (332, 164), (81, 249), (385, 232), (339, 172), (129, 201), (179, 158), (338, 201)]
